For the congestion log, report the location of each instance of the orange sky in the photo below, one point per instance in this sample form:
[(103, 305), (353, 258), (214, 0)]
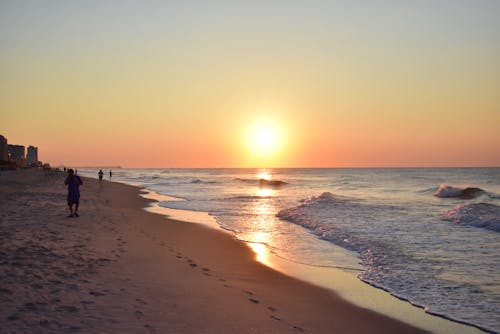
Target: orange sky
[(378, 83)]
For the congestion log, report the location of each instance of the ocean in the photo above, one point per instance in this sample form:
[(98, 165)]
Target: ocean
[(430, 236)]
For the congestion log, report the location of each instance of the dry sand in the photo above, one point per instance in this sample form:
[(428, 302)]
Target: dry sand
[(120, 269)]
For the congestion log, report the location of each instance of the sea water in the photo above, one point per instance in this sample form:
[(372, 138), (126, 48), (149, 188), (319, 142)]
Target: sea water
[(429, 236)]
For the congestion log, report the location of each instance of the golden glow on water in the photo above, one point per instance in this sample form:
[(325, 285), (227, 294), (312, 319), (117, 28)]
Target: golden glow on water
[(261, 253), (264, 225), (264, 192), (264, 174)]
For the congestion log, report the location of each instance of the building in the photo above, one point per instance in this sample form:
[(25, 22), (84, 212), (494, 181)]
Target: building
[(4, 149), (16, 152), (32, 155)]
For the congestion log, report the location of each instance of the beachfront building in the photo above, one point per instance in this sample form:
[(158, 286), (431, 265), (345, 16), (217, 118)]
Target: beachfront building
[(4, 149), (32, 155), (16, 152), (17, 155)]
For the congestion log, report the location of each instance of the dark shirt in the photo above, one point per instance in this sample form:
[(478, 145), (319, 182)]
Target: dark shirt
[(73, 182)]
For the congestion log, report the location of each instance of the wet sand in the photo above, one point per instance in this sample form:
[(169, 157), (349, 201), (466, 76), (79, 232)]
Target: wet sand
[(120, 269)]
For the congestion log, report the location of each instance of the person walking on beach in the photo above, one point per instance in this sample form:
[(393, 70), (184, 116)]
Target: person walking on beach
[(101, 174), (73, 182), (110, 174)]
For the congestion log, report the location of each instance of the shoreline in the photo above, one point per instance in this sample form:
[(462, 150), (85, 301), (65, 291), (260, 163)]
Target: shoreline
[(348, 286), (119, 268)]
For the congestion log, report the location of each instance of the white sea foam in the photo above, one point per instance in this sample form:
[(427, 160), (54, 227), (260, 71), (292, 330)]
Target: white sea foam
[(445, 191), (387, 216), (398, 253), (475, 214)]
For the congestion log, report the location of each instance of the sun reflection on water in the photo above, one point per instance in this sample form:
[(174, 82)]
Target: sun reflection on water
[(264, 230), (261, 253), (264, 192), (264, 174)]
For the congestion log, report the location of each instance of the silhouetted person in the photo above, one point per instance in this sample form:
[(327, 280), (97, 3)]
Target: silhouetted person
[(101, 174), (73, 182), (110, 174)]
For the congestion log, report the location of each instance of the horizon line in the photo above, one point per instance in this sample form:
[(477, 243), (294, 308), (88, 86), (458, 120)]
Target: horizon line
[(332, 167)]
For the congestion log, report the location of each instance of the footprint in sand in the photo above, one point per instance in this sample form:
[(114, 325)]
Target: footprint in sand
[(140, 301), (96, 293), (300, 329), (138, 314), (192, 263), (44, 323), (69, 309), (29, 307), (150, 328)]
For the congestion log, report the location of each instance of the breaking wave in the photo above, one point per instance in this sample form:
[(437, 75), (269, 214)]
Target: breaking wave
[(483, 215), (447, 191), (263, 182), (202, 181), (321, 214), (369, 230)]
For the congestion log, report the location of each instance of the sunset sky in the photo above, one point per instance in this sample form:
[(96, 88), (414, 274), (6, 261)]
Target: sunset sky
[(252, 83)]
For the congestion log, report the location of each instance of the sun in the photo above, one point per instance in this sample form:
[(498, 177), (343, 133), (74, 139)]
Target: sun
[(264, 138)]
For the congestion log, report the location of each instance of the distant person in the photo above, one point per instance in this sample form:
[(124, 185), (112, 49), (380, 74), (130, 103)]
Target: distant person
[(101, 174), (110, 174), (73, 182)]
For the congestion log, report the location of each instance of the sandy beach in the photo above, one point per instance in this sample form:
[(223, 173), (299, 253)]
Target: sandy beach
[(120, 269)]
